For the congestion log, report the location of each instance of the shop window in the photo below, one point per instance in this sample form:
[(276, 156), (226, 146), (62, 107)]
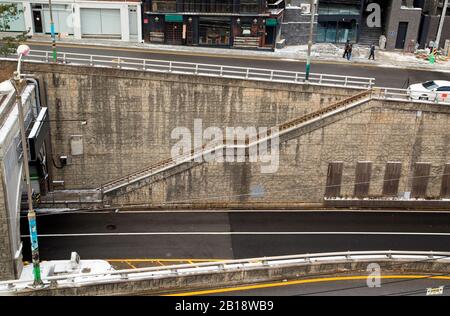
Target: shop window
[(336, 32), (247, 27), (214, 31)]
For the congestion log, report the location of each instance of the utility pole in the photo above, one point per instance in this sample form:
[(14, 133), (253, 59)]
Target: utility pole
[(310, 41), (52, 31), (18, 84), (441, 25)]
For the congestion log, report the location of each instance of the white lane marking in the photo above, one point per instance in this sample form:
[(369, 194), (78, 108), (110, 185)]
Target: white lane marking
[(240, 233)]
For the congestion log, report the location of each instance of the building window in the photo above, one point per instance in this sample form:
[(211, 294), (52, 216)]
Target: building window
[(164, 6), (222, 6), (249, 6), (214, 31), (336, 32), (338, 9)]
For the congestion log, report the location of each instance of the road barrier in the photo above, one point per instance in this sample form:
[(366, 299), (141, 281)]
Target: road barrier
[(77, 280), (198, 69), (394, 94)]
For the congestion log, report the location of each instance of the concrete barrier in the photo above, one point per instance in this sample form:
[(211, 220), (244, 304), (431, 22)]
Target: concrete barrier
[(240, 275)]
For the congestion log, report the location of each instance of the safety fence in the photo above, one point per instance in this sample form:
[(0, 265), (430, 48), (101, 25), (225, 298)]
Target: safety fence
[(199, 69), (224, 266)]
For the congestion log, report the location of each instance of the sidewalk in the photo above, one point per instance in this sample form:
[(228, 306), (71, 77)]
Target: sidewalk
[(330, 53)]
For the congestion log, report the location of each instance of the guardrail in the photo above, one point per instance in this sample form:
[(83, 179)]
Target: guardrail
[(227, 265), (409, 95), (176, 67)]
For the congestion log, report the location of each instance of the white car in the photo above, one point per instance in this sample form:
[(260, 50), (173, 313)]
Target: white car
[(435, 90)]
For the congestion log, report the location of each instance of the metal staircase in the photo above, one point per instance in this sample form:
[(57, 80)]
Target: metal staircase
[(280, 131)]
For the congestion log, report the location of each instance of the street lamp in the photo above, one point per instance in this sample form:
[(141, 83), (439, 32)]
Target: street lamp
[(311, 33), (18, 84), (52, 31)]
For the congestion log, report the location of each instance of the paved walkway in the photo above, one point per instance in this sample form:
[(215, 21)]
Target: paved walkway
[(323, 52)]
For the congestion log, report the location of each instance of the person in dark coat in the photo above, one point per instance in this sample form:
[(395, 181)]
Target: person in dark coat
[(349, 51), (372, 52), (347, 45)]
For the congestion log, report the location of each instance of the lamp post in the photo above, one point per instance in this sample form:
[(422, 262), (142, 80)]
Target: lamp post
[(310, 41), (18, 83), (52, 31)]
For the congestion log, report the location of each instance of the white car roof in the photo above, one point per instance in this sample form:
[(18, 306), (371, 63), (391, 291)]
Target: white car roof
[(441, 83)]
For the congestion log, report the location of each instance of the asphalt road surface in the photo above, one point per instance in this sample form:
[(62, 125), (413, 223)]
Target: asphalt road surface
[(389, 285), (228, 235), (386, 77)]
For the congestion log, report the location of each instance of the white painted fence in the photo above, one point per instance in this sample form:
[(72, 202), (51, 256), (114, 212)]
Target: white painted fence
[(212, 70)]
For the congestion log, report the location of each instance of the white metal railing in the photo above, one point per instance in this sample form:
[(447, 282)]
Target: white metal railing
[(410, 95), (198, 69), (226, 265), (247, 73)]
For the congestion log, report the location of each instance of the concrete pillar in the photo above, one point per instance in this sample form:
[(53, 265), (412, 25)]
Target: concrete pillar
[(76, 21), (125, 23), (28, 16), (139, 21)]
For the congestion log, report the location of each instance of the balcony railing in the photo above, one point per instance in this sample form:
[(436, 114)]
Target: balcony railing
[(202, 6)]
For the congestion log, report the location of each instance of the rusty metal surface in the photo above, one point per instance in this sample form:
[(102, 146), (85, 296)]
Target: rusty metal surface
[(362, 179), (392, 177), (445, 187), (334, 179), (420, 180)]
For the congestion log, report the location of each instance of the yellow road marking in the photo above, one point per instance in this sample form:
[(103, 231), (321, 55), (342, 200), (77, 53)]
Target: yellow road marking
[(159, 262), (331, 279), (190, 262)]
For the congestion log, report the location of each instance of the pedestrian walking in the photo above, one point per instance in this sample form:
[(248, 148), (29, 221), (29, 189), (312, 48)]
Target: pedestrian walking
[(347, 45), (372, 52), (349, 51)]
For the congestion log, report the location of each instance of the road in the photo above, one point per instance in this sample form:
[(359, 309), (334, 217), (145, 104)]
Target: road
[(386, 77), (227, 235), (390, 285)]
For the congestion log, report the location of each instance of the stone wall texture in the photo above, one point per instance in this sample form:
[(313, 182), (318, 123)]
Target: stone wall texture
[(125, 119)]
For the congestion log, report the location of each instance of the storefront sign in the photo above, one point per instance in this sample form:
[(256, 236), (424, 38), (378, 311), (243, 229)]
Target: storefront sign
[(173, 18), (271, 22)]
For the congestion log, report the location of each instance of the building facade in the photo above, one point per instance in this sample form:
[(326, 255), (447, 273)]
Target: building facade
[(405, 24), (225, 23), (431, 16), (12, 185), (339, 21), (79, 19), (297, 22)]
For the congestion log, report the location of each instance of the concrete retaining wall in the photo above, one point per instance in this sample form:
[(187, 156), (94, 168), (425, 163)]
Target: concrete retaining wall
[(242, 277), (125, 119)]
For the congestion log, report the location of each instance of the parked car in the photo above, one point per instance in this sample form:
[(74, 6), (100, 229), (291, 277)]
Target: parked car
[(435, 90)]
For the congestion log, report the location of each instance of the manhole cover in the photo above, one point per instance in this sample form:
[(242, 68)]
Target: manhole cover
[(111, 227)]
